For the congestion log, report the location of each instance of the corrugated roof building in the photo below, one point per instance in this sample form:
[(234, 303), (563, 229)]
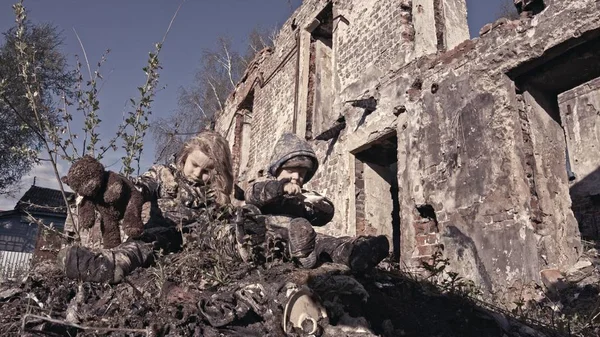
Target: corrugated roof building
[(24, 240)]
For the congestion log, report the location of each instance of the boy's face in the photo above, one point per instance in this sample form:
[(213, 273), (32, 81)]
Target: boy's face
[(197, 167), (295, 174)]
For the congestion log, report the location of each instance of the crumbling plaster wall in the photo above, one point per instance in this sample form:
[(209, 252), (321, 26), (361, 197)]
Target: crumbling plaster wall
[(580, 115), (464, 140), (580, 111), (454, 17), (424, 23), (462, 151), (375, 38), (557, 228), (438, 25), (272, 76)]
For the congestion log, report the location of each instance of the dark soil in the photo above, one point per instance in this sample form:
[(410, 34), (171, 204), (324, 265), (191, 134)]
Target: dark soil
[(179, 294)]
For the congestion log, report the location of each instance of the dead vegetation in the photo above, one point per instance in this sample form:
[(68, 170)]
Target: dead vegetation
[(199, 292)]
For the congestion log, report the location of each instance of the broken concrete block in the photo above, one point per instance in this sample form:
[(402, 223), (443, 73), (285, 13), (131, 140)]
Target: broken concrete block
[(581, 264), (553, 280), (485, 29), (8, 293)]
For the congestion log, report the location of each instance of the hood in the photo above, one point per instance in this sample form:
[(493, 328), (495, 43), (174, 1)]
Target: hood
[(288, 146)]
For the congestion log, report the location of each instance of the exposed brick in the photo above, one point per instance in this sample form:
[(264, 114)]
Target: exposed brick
[(432, 239), (423, 227), (421, 260), (237, 146), (427, 250)]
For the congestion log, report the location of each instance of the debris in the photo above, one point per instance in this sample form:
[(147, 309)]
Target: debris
[(553, 280), (203, 293), (303, 311), (8, 293), (581, 264)]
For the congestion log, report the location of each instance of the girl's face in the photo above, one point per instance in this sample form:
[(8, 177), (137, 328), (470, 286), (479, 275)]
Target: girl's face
[(197, 167)]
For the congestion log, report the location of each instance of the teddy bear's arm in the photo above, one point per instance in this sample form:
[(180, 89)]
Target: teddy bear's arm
[(147, 184), (86, 213), (114, 188), (111, 234), (132, 217)]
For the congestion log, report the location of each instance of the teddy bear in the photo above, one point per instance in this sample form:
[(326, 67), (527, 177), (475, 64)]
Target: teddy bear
[(112, 195)]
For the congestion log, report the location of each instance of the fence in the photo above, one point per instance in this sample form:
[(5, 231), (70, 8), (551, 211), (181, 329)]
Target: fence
[(14, 264)]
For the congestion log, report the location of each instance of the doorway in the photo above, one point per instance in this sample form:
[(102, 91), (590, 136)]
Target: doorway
[(376, 190)]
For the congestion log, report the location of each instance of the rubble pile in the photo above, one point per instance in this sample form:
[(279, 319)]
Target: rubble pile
[(569, 302), (202, 293)]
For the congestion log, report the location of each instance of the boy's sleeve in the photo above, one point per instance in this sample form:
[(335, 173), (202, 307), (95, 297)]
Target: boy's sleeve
[(264, 193), (320, 212)]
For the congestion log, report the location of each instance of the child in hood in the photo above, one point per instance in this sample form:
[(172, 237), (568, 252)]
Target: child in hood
[(293, 211)]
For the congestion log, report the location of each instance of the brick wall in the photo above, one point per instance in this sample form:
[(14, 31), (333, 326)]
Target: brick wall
[(426, 229), (379, 34), (359, 186), (237, 146), (272, 114)]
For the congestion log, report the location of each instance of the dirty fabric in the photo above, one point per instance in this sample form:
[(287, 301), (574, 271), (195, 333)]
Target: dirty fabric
[(174, 199), (104, 265), (289, 146), (269, 197)]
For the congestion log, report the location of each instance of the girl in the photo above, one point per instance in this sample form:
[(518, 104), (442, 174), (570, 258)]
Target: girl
[(176, 195), (200, 176)]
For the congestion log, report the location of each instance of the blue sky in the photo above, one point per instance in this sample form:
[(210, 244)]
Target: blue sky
[(130, 28)]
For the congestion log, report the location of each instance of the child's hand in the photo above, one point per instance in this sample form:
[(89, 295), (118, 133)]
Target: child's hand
[(313, 197), (168, 184), (210, 194), (292, 189)]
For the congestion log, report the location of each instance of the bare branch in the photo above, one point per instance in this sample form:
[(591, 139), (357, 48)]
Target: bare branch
[(87, 62), (226, 62), (214, 89), (148, 332), (51, 228)]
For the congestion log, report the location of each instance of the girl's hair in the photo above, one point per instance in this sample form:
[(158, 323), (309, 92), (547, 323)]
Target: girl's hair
[(216, 148)]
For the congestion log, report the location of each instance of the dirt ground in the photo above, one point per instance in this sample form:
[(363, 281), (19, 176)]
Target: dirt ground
[(198, 293)]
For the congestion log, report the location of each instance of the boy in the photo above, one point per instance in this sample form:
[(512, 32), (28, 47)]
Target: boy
[(293, 211)]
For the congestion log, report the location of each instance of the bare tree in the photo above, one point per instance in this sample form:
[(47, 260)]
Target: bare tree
[(171, 132), (258, 39), (220, 70)]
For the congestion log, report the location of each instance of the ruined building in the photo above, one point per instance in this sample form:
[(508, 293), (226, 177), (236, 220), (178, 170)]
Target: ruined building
[(486, 149)]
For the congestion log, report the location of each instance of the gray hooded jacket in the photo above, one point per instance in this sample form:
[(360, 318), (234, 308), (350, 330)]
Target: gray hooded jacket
[(269, 196)]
